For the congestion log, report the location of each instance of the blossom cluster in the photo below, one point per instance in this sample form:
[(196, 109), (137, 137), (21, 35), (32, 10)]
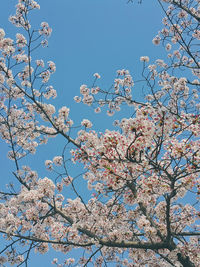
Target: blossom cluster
[(138, 177)]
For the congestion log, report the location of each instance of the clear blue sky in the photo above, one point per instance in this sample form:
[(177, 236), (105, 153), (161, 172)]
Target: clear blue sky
[(88, 36)]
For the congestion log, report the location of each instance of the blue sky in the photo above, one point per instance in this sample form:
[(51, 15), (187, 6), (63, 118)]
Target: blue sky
[(88, 36)]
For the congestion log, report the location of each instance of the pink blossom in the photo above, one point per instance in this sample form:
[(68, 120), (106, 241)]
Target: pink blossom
[(77, 99), (86, 123), (97, 75), (168, 47), (40, 63), (58, 160), (67, 180), (46, 30), (2, 34), (21, 40), (52, 66), (144, 58), (156, 40), (84, 90)]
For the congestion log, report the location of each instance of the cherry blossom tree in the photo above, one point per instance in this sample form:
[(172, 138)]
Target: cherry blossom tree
[(142, 178)]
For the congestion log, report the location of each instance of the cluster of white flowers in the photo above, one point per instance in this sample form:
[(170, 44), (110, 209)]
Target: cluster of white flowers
[(86, 123), (45, 29), (21, 40), (58, 160), (144, 59)]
